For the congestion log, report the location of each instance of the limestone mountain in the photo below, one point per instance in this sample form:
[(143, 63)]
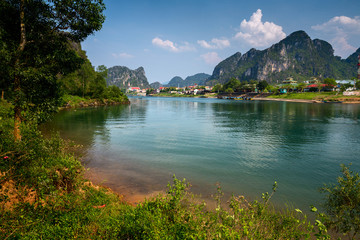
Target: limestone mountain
[(176, 82), (198, 79), (155, 85), (297, 56), (124, 77)]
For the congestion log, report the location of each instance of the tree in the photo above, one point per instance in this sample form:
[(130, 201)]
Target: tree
[(319, 85), (233, 84), (262, 85), (357, 84), (342, 203), (217, 88), (301, 86), (330, 82), (272, 89), (229, 90), (37, 36)]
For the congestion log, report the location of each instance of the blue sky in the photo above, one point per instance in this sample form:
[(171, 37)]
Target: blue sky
[(181, 38)]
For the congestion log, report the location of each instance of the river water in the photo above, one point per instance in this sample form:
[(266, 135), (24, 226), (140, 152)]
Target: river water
[(243, 145)]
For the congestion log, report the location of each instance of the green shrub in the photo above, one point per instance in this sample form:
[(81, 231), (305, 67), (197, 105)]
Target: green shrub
[(342, 203)]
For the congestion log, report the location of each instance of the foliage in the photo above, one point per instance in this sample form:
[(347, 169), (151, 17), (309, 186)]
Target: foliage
[(114, 93), (36, 40), (262, 85), (342, 203), (229, 90), (330, 81), (217, 88), (233, 84), (272, 88), (301, 86)]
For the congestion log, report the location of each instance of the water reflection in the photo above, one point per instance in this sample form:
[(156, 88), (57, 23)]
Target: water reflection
[(244, 145)]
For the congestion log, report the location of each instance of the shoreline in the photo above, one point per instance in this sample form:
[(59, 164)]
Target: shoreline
[(255, 98), (287, 100), (302, 100)]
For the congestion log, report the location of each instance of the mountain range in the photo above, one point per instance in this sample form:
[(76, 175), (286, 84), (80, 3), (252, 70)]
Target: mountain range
[(295, 56)]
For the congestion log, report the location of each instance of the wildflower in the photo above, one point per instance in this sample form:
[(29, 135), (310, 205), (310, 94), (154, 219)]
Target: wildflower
[(6, 157)]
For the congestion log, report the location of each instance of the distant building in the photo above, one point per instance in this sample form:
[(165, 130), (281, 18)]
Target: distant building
[(345, 81), (134, 89), (289, 80)]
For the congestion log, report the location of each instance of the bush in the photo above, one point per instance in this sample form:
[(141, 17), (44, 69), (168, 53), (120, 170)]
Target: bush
[(342, 203)]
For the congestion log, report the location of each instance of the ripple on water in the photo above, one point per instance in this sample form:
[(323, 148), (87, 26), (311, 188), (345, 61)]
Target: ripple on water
[(244, 146)]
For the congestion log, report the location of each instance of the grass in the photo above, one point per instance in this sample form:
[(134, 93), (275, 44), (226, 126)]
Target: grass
[(329, 96), (304, 95)]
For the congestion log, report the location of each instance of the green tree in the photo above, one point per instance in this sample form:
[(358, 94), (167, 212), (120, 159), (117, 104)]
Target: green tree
[(233, 83), (357, 84), (342, 203), (262, 85), (229, 90), (330, 81), (37, 36), (217, 88), (319, 86), (301, 86), (98, 85), (272, 88)]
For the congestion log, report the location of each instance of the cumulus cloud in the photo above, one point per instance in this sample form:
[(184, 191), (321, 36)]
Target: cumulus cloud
[(258, 34), (215, 43), (122, 55), (211, 58), (171, 46), (341, 30), (340, 23)]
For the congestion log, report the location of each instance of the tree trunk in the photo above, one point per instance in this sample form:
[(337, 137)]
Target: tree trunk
[(17, 80)]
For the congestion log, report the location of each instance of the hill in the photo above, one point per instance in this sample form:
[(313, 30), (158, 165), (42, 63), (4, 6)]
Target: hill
[(198, 79), (124, 77), (297, 56)]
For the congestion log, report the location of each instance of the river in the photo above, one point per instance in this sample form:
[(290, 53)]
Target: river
[(243, 145)]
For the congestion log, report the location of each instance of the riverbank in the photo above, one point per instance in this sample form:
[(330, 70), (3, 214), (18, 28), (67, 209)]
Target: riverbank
[(49, 198), (65, 204), (313, 97), (70, 101), (306, 97)]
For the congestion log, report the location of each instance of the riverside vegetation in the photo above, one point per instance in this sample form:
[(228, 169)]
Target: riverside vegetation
[(44, 195)]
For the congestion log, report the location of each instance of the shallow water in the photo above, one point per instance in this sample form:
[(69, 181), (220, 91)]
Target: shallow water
[(243, 145)]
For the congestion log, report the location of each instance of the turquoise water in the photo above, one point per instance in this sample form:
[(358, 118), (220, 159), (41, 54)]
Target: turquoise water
[(243, 145)]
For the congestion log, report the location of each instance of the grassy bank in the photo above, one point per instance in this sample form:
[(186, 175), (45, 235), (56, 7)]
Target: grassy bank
[(316, 96), (71, 101), (44, 195)]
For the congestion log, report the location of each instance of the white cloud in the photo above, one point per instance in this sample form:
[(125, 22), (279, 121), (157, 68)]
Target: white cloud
[(258, 34), (122, 55), (215, 43), (341, 30), (211, 58), (340, 23), (171, 46)]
